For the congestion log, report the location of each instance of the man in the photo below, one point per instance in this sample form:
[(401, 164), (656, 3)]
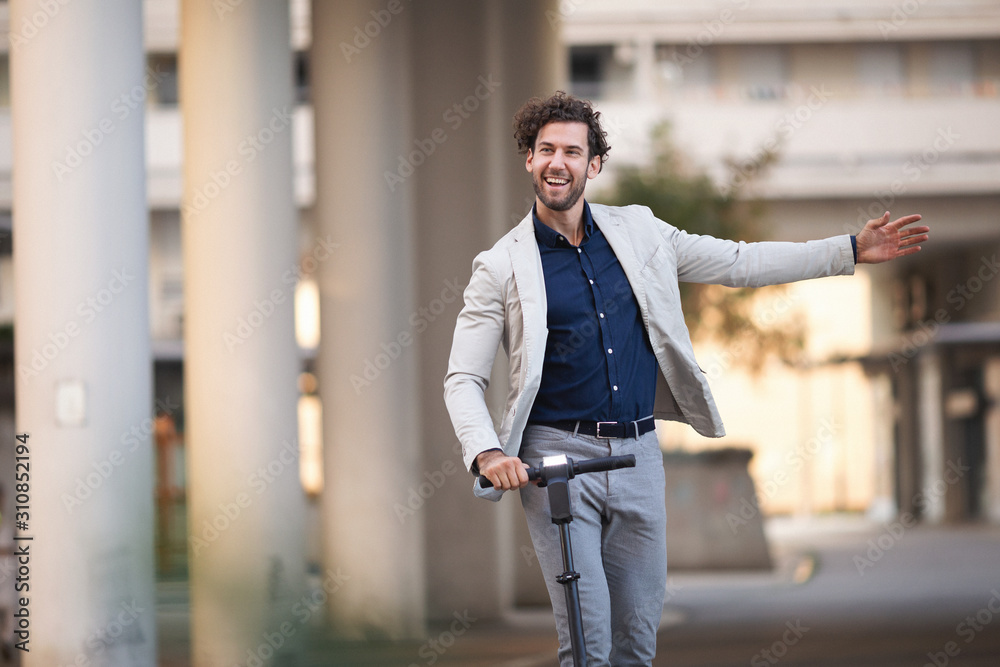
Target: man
[(584, 299)]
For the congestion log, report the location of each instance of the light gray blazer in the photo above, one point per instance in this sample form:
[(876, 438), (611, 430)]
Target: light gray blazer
[(505, 303)]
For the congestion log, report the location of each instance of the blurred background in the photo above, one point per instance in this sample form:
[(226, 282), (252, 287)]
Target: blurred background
[(234, 237)]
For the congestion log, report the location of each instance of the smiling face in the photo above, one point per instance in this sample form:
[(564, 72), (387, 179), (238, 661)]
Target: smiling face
[(559, 164)]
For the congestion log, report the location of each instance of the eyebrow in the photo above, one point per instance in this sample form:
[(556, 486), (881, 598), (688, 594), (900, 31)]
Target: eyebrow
[(552, 145)]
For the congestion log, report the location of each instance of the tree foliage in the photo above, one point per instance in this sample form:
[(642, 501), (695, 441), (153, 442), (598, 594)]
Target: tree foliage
[(687, 198)]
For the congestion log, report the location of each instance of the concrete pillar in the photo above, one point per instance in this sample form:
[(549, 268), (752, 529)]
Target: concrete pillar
[(644, 70), (82, 358), (991, 419), (883, 506), (373, 502), (932, 443), (468, 194), (245, 501), (907, 434)]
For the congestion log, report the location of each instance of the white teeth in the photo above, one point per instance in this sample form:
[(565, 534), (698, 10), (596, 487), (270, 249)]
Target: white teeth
[(556, 181)]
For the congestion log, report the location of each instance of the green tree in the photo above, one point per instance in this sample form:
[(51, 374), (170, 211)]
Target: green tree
[(687, 198)]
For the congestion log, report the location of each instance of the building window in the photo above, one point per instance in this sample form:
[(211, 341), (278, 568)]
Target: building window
[(588, 69), (880, 69), (163, 68), (687, 70), (951, 68), (302, 77), (763, 71)]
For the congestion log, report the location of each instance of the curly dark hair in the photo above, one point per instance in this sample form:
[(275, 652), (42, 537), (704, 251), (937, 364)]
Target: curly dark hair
[(561, 107)]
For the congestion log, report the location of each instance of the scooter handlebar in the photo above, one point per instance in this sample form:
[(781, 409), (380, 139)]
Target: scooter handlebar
[(576, 468)]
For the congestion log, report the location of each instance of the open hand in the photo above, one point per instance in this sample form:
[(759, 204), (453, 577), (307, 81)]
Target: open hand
[(882, 240)]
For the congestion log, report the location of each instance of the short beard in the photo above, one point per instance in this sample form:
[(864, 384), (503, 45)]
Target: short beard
[(565, 204)]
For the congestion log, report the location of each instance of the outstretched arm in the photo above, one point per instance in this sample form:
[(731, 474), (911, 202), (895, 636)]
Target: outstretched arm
[(882, 240)]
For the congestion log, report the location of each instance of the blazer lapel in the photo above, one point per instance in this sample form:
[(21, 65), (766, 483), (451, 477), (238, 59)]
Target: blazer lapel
[(610, 225), (526, 263)]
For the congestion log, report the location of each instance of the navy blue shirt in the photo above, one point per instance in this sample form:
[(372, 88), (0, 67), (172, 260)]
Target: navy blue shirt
[(599, 364)]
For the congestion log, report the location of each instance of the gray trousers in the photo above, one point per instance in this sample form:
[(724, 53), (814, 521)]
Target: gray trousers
[(618, 535)]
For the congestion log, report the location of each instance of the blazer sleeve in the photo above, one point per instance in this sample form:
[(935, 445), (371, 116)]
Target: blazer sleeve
[(478, 333), (704, 259)]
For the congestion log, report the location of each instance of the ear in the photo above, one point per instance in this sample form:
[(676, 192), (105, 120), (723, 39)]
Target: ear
[(594, 168), (527, 161)]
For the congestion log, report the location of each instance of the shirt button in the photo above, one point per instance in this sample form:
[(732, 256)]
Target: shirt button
[(609, 350), (615, 387), (602, 316), (591, 282), (579, 250)]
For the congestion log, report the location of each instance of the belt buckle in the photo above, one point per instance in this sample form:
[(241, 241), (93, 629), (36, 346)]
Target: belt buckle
[(599, 429)]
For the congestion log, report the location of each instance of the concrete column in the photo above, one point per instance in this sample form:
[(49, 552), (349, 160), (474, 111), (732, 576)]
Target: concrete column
[(931, 418), (991, 386), (373, 501), (883, 506), (532, 68), (644, 70), (470, 192), (82, 357), (246, 504), (907, 434)]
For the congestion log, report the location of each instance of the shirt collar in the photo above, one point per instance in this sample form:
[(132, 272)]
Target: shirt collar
[(553, 239)]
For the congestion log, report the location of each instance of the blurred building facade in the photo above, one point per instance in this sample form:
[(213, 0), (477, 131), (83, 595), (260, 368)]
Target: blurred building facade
[(869, 107), (401, 168)]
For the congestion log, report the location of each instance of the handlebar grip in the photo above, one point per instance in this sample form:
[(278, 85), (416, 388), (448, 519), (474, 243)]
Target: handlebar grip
[(533, 474), (606, 463), (579, 468)]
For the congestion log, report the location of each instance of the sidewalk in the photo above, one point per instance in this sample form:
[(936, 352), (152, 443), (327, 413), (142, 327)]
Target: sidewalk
[(906, 605)]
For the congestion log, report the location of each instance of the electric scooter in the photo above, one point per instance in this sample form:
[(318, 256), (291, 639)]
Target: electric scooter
[(554, 474)]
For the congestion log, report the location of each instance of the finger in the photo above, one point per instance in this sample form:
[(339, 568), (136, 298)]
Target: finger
[(505, 482), (905, 220), (909, 250), (910, 231), (522, 474), (913, 240), (879, 222)]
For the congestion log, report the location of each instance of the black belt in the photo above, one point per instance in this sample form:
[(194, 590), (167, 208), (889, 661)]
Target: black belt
[(604, 429)]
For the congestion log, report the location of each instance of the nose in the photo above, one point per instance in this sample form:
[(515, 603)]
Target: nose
[(558, 161)]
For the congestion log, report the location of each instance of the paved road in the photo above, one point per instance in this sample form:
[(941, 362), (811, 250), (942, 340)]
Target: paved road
[(877, 596), (846, 594)]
